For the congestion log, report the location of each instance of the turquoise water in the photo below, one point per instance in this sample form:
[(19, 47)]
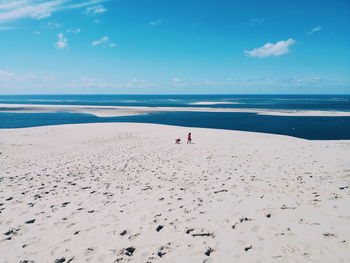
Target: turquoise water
[(297, 102), (313, 128)]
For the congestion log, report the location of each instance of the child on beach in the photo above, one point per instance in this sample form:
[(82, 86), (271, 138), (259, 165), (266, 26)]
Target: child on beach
[(177, 141), (189, 138)]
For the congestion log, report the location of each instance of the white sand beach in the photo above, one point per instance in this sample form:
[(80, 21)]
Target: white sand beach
[(127, 193), (212, 103)]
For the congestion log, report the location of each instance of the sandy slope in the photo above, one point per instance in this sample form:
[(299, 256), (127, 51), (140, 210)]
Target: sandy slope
[(127, 193)]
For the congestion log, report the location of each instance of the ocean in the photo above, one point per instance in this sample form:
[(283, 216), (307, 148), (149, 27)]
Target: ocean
[(290, 102), (312, 128)]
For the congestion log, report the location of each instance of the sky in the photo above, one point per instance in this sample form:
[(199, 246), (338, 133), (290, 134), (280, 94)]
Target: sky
[(174, 47)]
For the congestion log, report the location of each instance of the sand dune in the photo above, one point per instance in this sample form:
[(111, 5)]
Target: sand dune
[(127, 193)]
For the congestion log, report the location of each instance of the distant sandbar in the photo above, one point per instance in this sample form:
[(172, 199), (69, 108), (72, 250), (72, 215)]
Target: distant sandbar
[(114, 111)]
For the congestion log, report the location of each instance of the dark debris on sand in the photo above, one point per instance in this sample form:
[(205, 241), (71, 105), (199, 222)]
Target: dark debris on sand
[(129, 251), (208, 252), (160, 227), (247, 248)]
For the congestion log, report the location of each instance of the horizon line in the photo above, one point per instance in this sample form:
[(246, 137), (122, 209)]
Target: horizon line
[(170, 94)]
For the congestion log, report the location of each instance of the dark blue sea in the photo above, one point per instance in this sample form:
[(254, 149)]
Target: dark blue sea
[(312, 128)]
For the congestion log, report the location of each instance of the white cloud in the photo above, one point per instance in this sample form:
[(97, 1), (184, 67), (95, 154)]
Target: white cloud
[(30, 75), (95, 10), (10, 76), (156, 22), (4, 75), (256, 21), (48, 78), (87, 82), (314, 30), (33, 9), (83, 3), (100, 41), (25, 82), (73, 31), (178, 82), (104, 41), (136, 83), (268, 50), (53, 25), (7, 28), (62, 42), (9, 4), (38, 9)]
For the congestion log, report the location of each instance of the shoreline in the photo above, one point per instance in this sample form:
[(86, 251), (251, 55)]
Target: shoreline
[(213, 130), (114, 111), (126, 192)]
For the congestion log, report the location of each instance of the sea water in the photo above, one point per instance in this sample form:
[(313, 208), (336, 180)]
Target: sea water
[(289, 102), (313, 128)]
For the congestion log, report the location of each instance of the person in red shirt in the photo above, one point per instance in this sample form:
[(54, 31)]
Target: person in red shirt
[(189, 138), (177, 141)]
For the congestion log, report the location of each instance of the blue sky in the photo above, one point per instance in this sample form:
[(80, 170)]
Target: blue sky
[(174, 47)]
